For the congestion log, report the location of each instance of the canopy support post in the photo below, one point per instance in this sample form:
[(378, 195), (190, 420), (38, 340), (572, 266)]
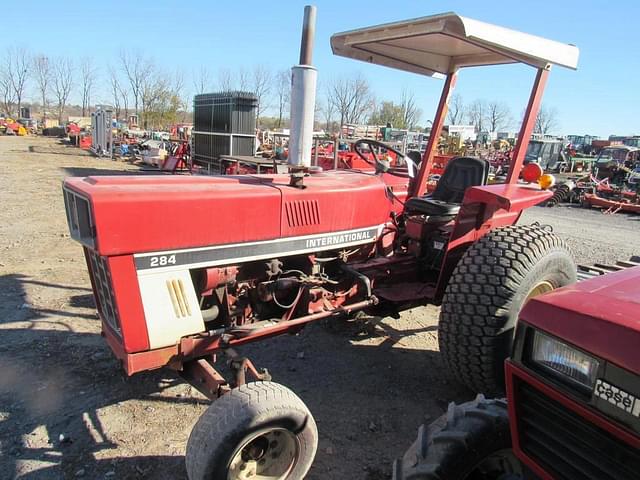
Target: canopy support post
[(419, 184), (528, 123)]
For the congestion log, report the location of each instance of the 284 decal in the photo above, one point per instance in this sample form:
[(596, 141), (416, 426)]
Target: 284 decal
[(162, 261)]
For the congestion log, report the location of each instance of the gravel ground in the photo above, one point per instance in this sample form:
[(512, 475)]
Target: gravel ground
[(67, 411), (592, 236)]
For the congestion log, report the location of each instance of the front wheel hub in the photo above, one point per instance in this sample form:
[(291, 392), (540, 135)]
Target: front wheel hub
[(265, 455)]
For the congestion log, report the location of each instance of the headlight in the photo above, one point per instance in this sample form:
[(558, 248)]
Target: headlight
[(563, 359)]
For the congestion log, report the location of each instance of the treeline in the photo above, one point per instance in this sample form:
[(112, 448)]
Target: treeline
[(135, 83), (495, 116)]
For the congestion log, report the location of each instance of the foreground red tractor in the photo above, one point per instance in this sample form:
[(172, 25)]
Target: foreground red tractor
[(186, 269), (573, 396)]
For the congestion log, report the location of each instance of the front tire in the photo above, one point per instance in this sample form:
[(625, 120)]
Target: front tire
[(258, 430), (487, 290), (470, 441)]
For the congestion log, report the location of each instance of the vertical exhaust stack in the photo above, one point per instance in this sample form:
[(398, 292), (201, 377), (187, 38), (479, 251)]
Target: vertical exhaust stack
[(303, 100)]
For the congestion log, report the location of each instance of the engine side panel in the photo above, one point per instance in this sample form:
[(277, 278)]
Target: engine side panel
[(170, 306)]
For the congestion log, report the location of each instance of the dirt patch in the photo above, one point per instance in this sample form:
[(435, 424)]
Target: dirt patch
[(68, 411)]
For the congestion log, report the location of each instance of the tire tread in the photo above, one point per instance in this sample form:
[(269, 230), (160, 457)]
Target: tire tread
[(477, 301)]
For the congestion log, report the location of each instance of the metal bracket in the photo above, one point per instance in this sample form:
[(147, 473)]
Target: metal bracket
[(240, 365), (206, 379)]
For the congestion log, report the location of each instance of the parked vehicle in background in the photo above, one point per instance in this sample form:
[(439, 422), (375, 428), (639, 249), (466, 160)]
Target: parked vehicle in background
[(614, 162), (549, 154)]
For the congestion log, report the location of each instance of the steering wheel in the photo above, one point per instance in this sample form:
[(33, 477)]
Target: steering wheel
[(400, 170)]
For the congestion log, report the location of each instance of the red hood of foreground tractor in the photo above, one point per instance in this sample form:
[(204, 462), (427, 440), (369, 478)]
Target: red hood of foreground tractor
[(599, 315), (132, 214)]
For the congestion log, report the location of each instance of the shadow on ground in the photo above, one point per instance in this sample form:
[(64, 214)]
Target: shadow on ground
[(56, 381)]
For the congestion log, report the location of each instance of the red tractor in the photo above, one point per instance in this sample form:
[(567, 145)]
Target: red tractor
[(186, 269), (573, 396)]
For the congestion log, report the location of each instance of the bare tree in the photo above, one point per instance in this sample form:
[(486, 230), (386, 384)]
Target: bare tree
[(119, 93), (477, 114), (116, 95), (202, 80), (351, 98), (456, 110), (498, 115), (42, 72), (124, 96), (546, 120), (283, 93), (261, 80), (225, 80), (17, 68), (88, 72), (62, 84), (243, 80), (137, 69), (238, 80), (161, 98), (6, 91), (177, 87), (153, 86), (410, 112), (328, 110)]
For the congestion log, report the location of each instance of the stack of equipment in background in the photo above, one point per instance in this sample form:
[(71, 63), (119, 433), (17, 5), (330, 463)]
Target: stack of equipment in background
[(224, 124), (101, 132)]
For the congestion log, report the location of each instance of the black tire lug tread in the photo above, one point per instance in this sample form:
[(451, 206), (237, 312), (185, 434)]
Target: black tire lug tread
[(481, 426), (477, 301)]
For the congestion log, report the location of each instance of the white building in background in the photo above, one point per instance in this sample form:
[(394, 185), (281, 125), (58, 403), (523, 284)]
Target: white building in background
[(465, 132), (506, 135)]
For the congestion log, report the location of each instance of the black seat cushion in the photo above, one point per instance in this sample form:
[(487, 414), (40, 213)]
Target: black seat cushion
[(429, 206), (460, 174)]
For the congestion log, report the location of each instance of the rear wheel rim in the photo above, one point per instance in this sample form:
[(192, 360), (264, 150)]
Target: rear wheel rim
[(500, 465), (543, 286), (268, 454)]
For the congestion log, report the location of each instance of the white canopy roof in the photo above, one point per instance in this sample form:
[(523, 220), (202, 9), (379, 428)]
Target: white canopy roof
[(440, 44)]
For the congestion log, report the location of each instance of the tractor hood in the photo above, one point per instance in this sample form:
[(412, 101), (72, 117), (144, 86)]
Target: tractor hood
[(117, 215), (599, 315)]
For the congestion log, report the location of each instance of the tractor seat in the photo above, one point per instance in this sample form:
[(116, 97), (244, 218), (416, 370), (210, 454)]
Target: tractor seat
[(460, 174)]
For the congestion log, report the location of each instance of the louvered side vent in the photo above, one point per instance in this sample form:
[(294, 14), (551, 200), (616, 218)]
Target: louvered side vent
[(105, 300), (301, 213), (178, 296)]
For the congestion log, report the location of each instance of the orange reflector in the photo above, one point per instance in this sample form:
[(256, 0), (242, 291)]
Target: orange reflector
[(532, 172), (546, 181)]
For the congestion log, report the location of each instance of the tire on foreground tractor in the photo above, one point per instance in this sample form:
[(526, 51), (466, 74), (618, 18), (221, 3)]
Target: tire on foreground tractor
[(258, 430), (471, 440), (488, 288)]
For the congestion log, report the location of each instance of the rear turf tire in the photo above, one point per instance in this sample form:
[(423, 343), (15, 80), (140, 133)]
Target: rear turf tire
[(487, 290), (470, 441), (254, 426)]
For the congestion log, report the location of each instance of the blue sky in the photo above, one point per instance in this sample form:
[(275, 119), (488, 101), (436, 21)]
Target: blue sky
[(601, 98)]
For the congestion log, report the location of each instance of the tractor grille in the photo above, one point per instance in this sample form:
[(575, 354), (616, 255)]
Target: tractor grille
[(105, 301), (567, 445), (301, 213), (79, 218)]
